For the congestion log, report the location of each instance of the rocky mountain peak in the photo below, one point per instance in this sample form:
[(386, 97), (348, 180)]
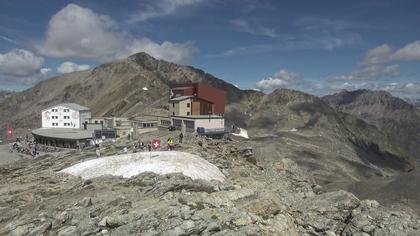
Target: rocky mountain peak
[(363, 97)]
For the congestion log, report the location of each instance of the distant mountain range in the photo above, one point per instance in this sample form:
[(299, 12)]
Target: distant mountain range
[(5, 94), (413, 101), (397, 119), (342, 138)]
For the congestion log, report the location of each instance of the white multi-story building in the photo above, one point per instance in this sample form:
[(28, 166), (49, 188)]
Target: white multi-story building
[(66, 115)]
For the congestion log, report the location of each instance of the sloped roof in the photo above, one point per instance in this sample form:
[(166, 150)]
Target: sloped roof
[(75, 106), (64, 133), (180, 98)]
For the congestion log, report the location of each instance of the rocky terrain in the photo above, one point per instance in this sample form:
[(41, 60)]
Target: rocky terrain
[(355, 141), (5, 94), (337, 149), (399, 120), (413, 101), (260, 196), (399, 123)]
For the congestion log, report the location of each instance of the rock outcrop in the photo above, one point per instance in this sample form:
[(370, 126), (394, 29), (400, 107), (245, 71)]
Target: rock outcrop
[(259, 198)]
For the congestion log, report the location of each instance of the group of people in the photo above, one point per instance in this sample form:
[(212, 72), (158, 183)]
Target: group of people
[(27, 146), (141, 146)]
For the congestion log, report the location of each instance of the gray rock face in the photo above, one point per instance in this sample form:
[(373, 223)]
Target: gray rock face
[(265, 199)]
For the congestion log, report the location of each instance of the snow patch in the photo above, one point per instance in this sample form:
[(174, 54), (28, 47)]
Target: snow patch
[(293, 130), (242, 133), (130, 165), (145, 88)]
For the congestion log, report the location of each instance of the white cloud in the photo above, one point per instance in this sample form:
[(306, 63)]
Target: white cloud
[(281, 79), (377, 55), (253, 28), (370, 72), (68, 67), (77, 32), (20, 62), (160, 8), (384, 54), (45, 71), (410, 51)]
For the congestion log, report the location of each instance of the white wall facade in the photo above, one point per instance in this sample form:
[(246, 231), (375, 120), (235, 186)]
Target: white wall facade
[(191, 124), (210, 124), (63, 117), (180, 108)]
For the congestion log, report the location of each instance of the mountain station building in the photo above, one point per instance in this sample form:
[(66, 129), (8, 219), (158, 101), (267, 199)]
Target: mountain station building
[(197, 107), (66, 115), (64, 125)]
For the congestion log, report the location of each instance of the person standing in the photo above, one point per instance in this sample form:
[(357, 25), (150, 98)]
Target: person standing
[(170, 143), (181, 136), (98, 153)]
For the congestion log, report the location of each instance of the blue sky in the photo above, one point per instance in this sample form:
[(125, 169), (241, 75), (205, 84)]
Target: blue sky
[(318, 47)]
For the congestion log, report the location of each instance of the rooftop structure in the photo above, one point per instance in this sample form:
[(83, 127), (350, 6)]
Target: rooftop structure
[(196, 99), (62, 137)]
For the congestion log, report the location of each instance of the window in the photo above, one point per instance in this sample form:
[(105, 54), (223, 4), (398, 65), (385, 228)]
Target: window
[(188, 104), (173, 104), (66, 117), (173, 113), (188, 113), (54, 110), (66, 110)]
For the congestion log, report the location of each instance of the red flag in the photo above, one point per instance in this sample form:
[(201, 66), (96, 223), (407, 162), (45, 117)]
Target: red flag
[(156, 143), (9, 135)]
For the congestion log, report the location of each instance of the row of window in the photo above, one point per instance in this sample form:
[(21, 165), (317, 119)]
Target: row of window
[(56, 117), (64, 110), (149, 125), (173, 104), (56, 124)]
